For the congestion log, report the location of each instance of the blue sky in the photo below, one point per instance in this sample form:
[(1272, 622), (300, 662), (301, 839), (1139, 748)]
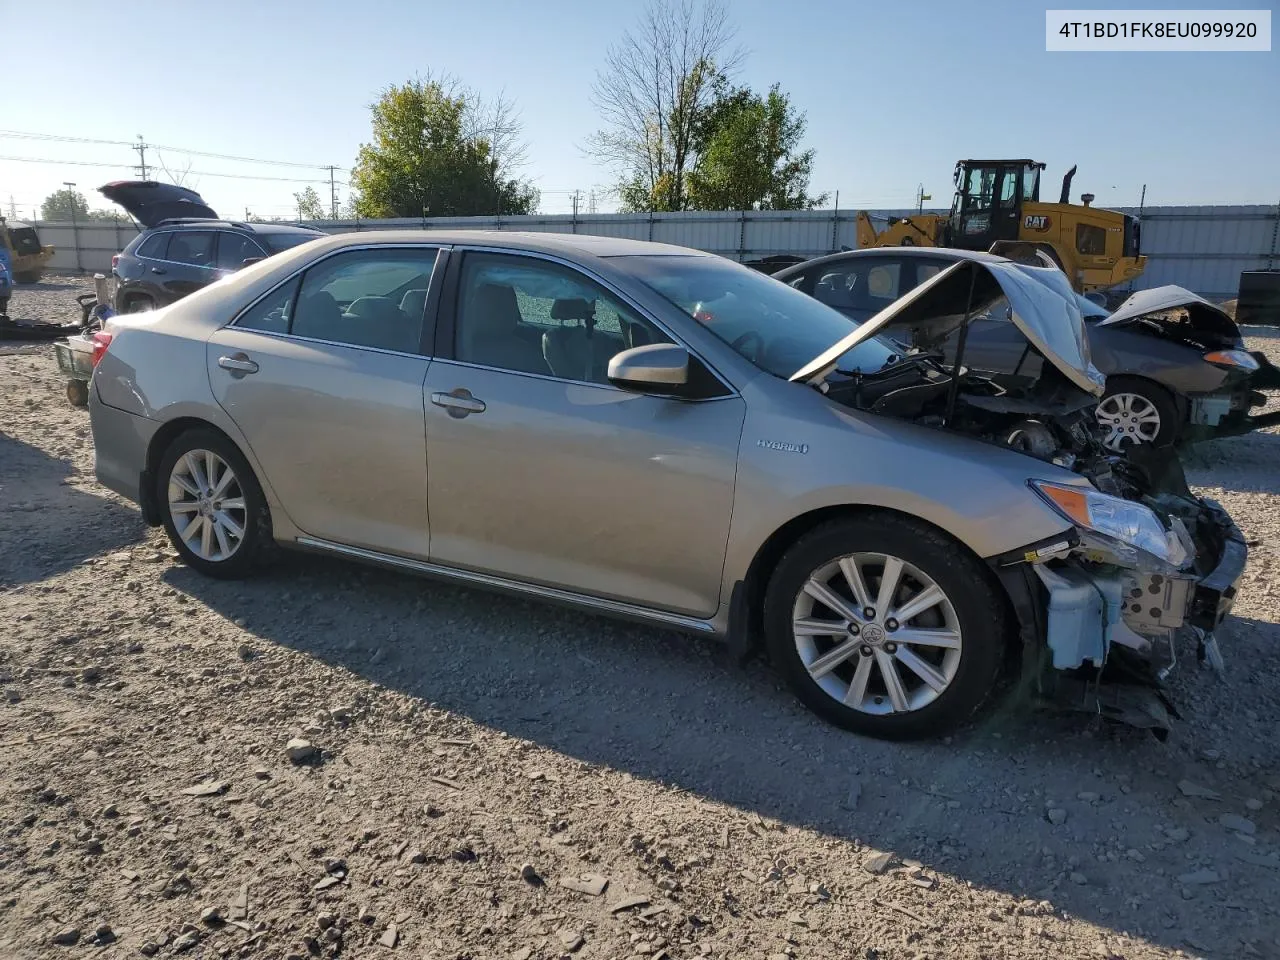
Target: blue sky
[(894, 93)]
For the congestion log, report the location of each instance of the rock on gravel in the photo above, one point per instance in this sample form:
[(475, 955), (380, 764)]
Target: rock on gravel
[(300, 751)]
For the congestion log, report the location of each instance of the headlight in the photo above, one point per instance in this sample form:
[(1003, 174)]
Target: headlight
[(1239, 359), (1116, 519)]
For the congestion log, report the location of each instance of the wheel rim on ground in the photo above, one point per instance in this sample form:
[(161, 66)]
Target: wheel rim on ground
[(876, 634), (206, 505), (1128, 418)]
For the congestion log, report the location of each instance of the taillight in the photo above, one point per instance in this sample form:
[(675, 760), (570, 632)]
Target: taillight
[(115, 259), (101, 340)]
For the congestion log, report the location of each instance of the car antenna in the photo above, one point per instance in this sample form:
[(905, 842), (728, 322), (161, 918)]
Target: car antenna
[(954, 390)]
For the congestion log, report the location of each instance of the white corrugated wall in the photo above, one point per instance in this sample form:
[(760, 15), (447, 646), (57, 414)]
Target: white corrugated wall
[(1202, 248)]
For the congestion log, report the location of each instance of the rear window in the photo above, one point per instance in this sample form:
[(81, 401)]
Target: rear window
[(277, 242), (24, 240)]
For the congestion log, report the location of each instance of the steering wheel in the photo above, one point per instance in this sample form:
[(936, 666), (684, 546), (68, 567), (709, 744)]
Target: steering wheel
[(750, 337)]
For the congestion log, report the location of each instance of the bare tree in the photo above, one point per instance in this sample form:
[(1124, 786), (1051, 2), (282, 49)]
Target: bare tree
[(498, 122), (177, 175), (654, 84)]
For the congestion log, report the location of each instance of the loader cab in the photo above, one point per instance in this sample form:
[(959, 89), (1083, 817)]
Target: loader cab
[(987, 207)]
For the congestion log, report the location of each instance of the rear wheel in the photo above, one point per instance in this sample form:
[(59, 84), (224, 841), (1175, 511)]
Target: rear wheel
[(884, 626), (1134, 412), (139, 304), (212, 506)]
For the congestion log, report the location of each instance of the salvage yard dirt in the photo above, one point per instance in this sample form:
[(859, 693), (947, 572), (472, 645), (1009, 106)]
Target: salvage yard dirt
[(336, 761)]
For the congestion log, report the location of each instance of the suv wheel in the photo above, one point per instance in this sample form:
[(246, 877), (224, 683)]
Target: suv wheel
[(883, 626), (213, 508)]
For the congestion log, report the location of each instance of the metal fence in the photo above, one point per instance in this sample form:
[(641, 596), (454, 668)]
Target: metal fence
[(1202, 248)]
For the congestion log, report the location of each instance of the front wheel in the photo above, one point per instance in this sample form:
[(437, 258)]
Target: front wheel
[(884, 626), (212, 506)]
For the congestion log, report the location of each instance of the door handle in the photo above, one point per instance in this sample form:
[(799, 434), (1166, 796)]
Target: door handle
[(239, 364), (458, 403), (159, 270)]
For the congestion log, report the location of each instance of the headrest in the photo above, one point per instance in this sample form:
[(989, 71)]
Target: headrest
[(413, 303), (573, 308), (494, 309)]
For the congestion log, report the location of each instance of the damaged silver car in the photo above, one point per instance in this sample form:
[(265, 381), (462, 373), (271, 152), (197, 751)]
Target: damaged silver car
[(655, 433)]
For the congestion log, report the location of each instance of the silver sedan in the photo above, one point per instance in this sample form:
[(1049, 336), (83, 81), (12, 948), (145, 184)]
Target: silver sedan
[(656, 433)]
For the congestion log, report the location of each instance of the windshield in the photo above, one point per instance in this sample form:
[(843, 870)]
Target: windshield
[(283, 241), (776, 327)]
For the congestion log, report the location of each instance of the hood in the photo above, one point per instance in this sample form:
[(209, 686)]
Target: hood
[(1040, 304), (150, 202), (1202, 314)]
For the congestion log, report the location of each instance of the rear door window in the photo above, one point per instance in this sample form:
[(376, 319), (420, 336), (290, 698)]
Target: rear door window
[(194, 247), (366, 298), (234, 249), (153, 247)]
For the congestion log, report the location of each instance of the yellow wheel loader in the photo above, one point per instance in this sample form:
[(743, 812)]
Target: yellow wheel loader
[(29, 257), (997, 208)]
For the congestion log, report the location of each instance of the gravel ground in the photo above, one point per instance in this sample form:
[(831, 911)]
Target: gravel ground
[(476, 767)]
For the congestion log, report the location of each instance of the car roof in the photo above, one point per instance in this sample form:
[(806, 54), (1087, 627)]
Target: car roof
[(562, 243), (946, 253), (201, 223)]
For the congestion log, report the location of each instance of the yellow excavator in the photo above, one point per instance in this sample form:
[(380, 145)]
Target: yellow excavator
[(997, 208)]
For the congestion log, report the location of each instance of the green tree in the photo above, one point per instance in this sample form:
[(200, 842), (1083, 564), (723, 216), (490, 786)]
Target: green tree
[(309, 205), (64, 204), (439, 150), (748, 154), (58, 207)]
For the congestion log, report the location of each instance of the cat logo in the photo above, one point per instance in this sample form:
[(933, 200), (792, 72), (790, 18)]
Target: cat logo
[(1035, 222)]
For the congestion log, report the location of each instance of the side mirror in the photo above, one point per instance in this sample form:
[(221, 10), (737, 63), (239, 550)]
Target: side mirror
[(250, 261), (655, 368)]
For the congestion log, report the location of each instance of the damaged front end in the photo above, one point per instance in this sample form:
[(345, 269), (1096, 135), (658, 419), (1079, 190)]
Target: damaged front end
[(1176, 315), (1107, 611), (1144, 565)]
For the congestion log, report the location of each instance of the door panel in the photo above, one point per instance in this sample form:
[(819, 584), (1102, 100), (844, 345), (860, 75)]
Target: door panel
[(338, 431), (582, 486)]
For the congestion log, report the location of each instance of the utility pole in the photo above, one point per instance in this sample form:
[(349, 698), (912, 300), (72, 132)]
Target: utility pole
[(75, 229), (333, 195), (13, 208), (141, 147)]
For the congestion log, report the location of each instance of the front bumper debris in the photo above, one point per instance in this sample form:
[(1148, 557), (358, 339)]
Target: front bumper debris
[(1102, 636)]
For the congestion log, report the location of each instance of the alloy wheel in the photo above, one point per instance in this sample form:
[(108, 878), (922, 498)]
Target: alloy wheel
[(876, 633), (206, 504), (1129, 418)]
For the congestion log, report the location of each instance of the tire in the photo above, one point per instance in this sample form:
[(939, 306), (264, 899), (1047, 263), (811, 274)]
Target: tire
[(77, 393), (971, 616), (1134, 410), (225, 557)]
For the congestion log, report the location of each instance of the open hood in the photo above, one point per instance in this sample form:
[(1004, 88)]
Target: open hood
[(150, 202), (1039, 300), (1203, 315)]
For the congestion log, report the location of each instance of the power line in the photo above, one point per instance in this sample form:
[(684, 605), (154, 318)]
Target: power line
[(133, 145), (199, 173)]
